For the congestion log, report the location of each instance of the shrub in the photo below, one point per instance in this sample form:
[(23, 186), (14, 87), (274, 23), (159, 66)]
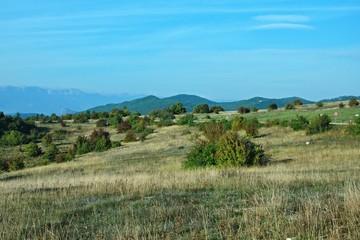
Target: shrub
[(237, 124), (47, 139), (140, 125), (299, 123), (243, 110), (124, 126), (102, 123), (251, 126), (177, 108), (354, 127), (51, 152), (202, 155), (319, 104), (353, 102), (165, 123), (82, 145), (216, 109), (186, 119), (16, 164), (100, 140), (60, 134), (236, 151), (254, 109), (213, 131), (318, 124), (13, 138), (298, 102), (341, 105), (289, 106), (81, 118), (130, 136), (272, 107), (32, 150), (201, 108)]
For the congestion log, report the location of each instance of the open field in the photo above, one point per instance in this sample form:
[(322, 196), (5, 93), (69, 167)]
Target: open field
[(141, 191)]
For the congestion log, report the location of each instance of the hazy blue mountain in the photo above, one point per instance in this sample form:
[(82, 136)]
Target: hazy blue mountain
[(147, 104), (48, 101)]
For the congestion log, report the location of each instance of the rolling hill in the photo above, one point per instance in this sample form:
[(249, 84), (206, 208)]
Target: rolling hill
[(147, 104)]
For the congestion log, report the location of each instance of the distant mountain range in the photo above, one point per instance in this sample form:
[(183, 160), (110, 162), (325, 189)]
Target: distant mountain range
[(147, 104), (47, 101), (33, 100)]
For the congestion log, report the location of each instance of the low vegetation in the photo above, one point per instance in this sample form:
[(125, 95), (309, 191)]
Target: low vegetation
[(263, 175)]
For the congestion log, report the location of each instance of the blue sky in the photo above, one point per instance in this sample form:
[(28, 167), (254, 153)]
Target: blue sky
[(222, 50)]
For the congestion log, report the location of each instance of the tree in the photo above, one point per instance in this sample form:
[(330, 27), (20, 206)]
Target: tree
[(353, 102), (319, 104), (272, 107), (177, 108), (201, 108), (32, 150), (289, 106), (243, 110), (216, 109), (318, 124), (341, 105), (298, 102)]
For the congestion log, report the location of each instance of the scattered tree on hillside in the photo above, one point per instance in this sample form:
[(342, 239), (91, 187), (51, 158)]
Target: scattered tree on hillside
[(298, 102), (353, 102), (243, 110), (201, 108), (272, 107), (319, 104), (216, 109), (177, 108)]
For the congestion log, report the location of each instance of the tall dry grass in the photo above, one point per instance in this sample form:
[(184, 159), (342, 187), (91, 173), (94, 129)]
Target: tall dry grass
[(140, 191)]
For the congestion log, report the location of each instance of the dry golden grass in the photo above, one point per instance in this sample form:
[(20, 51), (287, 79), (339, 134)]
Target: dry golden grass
[(140, 191)]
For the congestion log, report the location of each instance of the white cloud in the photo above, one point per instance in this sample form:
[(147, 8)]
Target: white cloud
[(282, 26), (283, 18)]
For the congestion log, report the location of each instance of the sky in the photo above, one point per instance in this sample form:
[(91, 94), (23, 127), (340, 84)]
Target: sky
[(219, 49)]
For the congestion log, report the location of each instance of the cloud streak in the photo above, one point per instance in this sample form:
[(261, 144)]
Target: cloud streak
[(283, 18), (282, 26)]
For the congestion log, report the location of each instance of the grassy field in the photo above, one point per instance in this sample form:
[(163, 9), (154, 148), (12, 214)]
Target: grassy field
[(141, 191)]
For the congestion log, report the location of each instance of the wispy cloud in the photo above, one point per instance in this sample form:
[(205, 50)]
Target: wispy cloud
[(282, 26), (283, 18)]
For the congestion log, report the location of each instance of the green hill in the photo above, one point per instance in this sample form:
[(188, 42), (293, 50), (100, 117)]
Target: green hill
[(147, 104)]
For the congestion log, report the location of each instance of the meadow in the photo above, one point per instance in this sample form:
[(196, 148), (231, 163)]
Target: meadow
[(141, 191)]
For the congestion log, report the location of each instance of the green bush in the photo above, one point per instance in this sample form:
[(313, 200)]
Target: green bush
[(319, 104), (272, 107), (177, 108), (202, 155), (216, 109), (32, 150), (51, 152), (298, 102), (130, 136), (124, 126), (100, 140), (13, 138), (289, 106), (353, 102), (236, 151), (237, 124), (299, 123), (83, 145), (251, 126), (243, 110), (188, 119), (47, 139), (201, 108), (102, 123), (213, 131), (254, 109), (341, 105), (318, 124), (354, 127)]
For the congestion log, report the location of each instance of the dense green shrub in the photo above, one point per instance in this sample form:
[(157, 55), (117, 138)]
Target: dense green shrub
[(16, 164), (299, 123), (188, 119), (236, 151), (243, 110), (251, 126), (32, 150), (254, 109), (100, 140), (216, 109), (47, 139), (202, 155), (319, 104), (81, 118), (354, 127), (272, 107), (289, 106), (201, 108), (213, 131), (298, 102), (353, 102), (341, 105), (13, 138), (82, 145), (165, 123), (51, 152), (177, 108), (237, 124), (318, 124)]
